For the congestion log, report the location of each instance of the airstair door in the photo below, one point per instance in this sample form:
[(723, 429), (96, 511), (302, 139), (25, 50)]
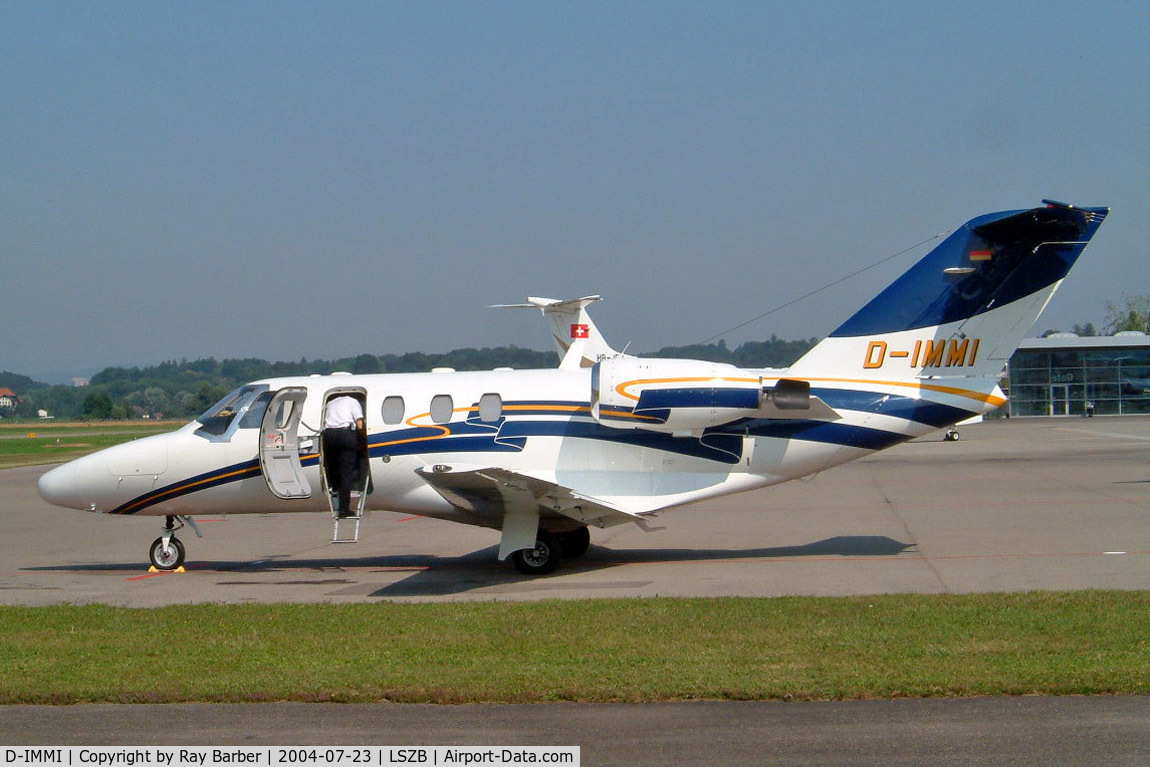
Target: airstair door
[(279, 444)]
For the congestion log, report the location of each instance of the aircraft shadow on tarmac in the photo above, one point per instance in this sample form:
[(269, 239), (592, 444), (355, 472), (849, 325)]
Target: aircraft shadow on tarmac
[(436, 581), (442, 576)]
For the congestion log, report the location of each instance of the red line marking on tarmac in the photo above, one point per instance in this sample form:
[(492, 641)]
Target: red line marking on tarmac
[(149, 575), (408, 519), (286, 566), (158, 573)]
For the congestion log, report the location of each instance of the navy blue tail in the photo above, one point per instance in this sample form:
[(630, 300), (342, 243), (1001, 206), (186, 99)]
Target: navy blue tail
[(988, 263)]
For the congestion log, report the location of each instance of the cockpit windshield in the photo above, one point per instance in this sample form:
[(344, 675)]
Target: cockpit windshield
[(243, 408)]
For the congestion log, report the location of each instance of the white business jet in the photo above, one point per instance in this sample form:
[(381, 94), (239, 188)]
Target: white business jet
[(607, 438)]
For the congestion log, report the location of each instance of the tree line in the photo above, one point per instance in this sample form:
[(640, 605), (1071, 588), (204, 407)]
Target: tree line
[(183, 389)]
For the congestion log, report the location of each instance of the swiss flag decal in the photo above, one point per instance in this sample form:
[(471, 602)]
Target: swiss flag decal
[(580, 331)]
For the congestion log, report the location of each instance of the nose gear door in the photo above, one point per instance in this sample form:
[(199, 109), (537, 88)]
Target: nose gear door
[(279, 444)]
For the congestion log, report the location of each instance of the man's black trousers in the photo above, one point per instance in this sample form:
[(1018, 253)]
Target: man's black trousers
[(340, 455)]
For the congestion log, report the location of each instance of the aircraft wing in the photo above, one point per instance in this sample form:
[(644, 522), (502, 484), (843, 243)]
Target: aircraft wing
[(496, 492)]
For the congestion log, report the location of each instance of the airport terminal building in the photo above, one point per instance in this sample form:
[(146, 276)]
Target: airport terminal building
[(1062, 374)]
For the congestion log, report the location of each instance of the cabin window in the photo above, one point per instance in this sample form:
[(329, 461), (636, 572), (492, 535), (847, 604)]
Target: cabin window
[(441, 408), (393, 410), (282, 414), (490, 408)]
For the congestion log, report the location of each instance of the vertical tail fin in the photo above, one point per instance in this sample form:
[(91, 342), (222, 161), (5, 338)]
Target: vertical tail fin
[(576, 336), (964, 307)]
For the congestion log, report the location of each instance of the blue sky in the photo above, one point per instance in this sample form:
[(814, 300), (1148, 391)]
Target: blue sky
[(305, 179)]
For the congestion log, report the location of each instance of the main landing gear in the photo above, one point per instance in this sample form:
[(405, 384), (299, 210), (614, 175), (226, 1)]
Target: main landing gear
[(167, 551), (550, 549)]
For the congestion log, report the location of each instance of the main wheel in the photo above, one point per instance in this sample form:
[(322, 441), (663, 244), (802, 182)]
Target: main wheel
[(542, 559), (170, 560), (575, 543)]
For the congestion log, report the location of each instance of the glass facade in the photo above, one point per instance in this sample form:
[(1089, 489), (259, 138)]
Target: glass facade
[(1062, 380)]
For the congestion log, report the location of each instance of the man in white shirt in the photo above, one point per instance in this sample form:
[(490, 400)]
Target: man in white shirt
[(343, 424)]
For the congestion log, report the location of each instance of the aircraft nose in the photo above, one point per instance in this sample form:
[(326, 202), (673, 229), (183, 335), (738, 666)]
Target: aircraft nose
[(103, 481), (64, 486)]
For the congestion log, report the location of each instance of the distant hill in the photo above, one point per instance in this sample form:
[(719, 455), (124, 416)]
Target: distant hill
[(19, 383)]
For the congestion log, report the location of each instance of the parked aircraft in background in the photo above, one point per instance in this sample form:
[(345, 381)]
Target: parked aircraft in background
[(608, 438)]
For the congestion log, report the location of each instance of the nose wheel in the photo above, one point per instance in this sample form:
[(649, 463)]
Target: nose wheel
[(167, 551), (166, 554)]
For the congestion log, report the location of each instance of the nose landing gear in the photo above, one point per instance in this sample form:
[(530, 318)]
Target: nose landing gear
[(167, 551)]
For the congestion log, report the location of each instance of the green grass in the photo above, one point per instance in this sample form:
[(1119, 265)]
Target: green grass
[(1081, 643), (30, 444)]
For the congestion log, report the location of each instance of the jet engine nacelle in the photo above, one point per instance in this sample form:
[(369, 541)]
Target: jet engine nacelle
[(685, 396)]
